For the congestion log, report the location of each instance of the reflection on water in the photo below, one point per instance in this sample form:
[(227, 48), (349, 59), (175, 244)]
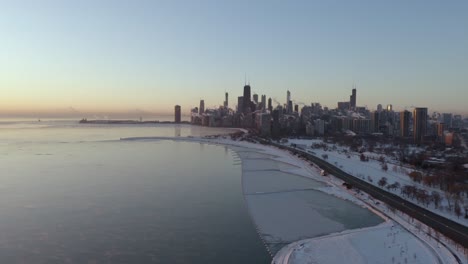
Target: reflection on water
[(67, 197)]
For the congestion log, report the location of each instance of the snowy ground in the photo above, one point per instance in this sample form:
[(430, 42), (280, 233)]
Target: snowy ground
[(385, 243), (372, 172), (283, 218)]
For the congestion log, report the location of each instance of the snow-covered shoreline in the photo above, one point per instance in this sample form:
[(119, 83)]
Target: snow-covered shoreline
[(288, 163), (371, 171)]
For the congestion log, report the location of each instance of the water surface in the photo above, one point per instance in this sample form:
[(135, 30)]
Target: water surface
[(72, 194)]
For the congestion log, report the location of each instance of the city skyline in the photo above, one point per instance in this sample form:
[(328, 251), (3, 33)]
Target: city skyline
[(70, 59)]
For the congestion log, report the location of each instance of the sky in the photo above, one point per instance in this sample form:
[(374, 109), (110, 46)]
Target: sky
[(86, 57)]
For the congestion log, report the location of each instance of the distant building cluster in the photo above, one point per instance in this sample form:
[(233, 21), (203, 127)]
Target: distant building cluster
[(258, 114)]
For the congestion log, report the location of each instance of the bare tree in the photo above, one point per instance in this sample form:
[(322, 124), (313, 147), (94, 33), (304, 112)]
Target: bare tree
[(457, 208), (384, 166), (449, 198), (382, 182), (436, 198)]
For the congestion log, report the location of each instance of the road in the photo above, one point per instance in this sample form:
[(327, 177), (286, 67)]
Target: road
[(447, 227)]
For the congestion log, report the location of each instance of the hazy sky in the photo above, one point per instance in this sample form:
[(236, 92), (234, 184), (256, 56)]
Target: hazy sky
[(130, 56)]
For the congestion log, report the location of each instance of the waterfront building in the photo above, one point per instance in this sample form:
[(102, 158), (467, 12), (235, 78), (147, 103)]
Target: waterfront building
[(343, 106), (419, 124), (353, 99), (255, 98), (246, 98), (379, 108), (404, 124), (289, 107), (319, 126), (263, 123), (361, 126), (226, 101), (263, 102), (447, 119), (441, 127), (202, 107), (240, 104), (177, 114), (375, 122)]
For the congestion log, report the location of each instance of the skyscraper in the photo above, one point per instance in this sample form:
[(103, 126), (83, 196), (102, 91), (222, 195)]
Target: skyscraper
[(389, 108), (270, 105), (404, 124), (447, 119), (289, 105), (226, 102), (202, 107), (246, 98), (264, 102), (379, 108), (240, 104), (177, 114), (375, 122), (255, 98), (352, 99), (419, 124)]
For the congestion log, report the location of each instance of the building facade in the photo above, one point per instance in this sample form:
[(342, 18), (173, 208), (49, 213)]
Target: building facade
[(419, 124), (177, 114)]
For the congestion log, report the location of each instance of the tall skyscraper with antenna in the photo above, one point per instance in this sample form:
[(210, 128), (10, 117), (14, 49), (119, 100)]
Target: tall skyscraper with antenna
[(246, 98)]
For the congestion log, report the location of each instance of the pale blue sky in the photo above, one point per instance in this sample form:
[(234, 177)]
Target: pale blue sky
[(150, 55)]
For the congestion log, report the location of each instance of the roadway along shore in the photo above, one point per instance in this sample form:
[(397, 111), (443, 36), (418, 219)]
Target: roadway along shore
[(449, 228)]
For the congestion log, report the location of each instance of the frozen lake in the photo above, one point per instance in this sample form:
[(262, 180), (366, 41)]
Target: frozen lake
[(287, 207)]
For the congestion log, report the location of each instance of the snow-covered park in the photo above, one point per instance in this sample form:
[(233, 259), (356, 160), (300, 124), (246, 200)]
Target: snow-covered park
[(372, 172)]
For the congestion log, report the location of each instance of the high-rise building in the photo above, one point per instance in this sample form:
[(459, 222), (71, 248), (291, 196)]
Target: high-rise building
[(379, 108), (289, 105), (246, 102), (226, 102), (344, 106), (404, 124), (264, 102), (240, 104), (389, 108), (441, 127), (296, 108), (447, 119), (375, 122), (255, 98), (202, 107), (177, 114), (270, 105), (352, 99), (419, 124)]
